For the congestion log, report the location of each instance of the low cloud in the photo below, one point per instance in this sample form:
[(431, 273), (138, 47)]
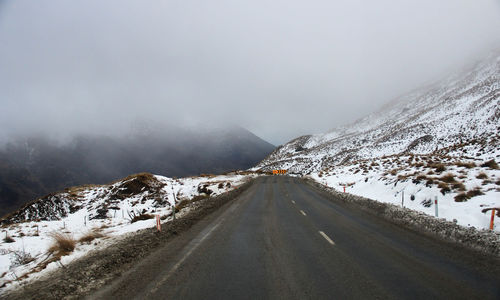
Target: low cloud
[(280, 69)]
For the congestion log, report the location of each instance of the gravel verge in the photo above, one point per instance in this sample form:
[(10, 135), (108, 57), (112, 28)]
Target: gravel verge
[(484, 241), (99, 267)]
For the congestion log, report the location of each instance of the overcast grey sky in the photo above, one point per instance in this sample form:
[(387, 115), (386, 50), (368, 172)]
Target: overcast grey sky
[(279, 68)]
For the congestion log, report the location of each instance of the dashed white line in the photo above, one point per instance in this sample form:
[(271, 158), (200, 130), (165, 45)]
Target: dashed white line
[(326, 237), (302, 212), (293, 202)]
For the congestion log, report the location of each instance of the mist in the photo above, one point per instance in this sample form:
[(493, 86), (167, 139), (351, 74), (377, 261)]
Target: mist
[(280, 69)]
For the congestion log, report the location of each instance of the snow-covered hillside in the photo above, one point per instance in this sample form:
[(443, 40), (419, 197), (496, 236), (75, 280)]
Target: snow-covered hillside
[(441, 141), (95, 216)]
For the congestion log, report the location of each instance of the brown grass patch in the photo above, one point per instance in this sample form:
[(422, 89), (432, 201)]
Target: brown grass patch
[(448, 178), (482, 175), (462, 197), (63, 244), (8, 239), (492, 164), (475, 192), (141, 217), (468, 165), (458, 186), (445, 188), (90, 236), (438, 167)]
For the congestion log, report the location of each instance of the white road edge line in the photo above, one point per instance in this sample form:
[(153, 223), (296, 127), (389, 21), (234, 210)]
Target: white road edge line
[(193, 245), (178, 264), (293, 202), (303, 212), (326, 237)]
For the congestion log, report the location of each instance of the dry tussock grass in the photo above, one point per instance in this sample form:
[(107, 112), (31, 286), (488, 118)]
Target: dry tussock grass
[(482, 175), (90, 236), (448, 178), (467, 165), (63, 244), (492, 164)]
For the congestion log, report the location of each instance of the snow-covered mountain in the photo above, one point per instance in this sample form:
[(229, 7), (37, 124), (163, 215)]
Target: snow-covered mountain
[(458, 116), (440, 142)]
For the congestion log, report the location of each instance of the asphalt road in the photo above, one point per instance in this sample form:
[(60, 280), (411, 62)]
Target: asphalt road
[(283, 239)]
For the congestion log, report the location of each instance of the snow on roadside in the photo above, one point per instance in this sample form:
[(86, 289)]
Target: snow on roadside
[(33, 237), (386, 180)]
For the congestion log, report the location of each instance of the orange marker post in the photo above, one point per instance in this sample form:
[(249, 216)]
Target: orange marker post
[(492, 219), (158, 223)]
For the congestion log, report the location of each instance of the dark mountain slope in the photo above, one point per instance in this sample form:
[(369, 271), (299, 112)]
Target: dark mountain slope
[(33, 167)]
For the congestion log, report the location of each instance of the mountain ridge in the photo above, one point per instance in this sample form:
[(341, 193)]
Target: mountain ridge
[(33, 167), (465, 106)]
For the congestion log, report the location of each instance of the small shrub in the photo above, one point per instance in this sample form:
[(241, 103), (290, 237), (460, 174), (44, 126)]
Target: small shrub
[(482, 175), (475, 192), (468, 165), (421, 177), (462, 197), (492, 164), (458, 186), (448, 178), (21, 257), (438, 167), (63, 244), (444, 188), (8, 239), (141, 217), (90, 236)]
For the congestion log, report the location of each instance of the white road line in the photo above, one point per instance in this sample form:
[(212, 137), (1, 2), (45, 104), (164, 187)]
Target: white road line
[(178, 264), (303, 212), (293, 202), (326, 237), (192, 246)]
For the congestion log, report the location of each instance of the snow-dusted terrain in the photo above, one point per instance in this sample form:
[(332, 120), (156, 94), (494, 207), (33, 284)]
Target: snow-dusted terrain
[(106, 212), (441, 141)]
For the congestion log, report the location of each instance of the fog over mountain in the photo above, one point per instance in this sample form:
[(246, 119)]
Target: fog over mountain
[(278, 68), (33, 167)]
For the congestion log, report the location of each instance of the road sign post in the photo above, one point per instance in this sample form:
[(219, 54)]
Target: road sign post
[(492, 219), (436, 206), (158, 223)]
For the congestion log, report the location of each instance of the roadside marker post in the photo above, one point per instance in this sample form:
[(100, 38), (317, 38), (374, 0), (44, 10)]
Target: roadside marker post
[(492, 219), (158, 223), (344, 188), (436, 206), (403, 199)]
